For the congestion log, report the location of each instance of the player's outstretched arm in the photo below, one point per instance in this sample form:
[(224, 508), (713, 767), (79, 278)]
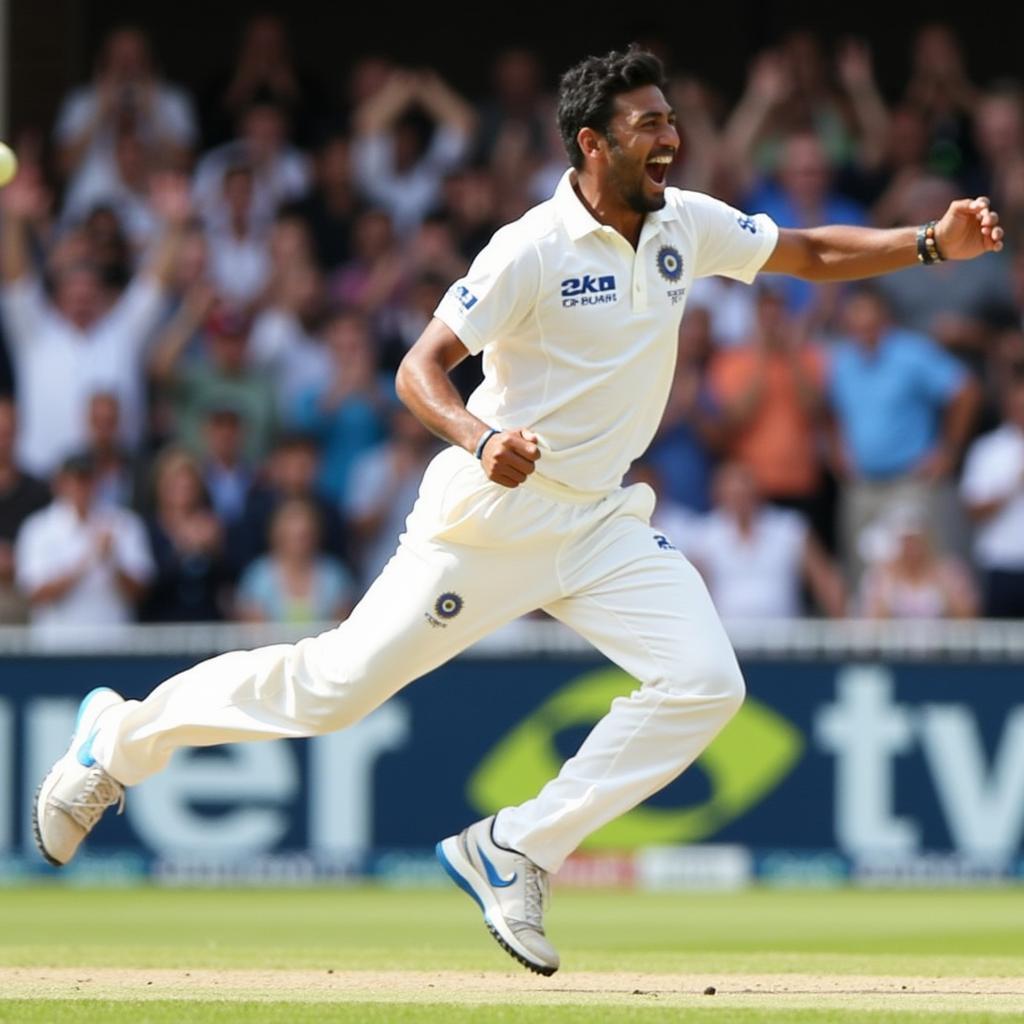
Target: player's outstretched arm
[(423, 385), (969, 228)]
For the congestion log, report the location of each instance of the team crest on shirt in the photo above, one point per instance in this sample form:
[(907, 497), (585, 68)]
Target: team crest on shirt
[(670, 263)]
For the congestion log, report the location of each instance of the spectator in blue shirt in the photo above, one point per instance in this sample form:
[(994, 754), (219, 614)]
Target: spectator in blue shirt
[(802, 196), (347, 411), (903, 410)]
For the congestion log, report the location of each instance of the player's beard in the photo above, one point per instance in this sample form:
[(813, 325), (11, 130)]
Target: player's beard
[(630, 185)]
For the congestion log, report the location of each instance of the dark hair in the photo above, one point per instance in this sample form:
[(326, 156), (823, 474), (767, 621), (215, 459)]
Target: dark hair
[(587, 91)]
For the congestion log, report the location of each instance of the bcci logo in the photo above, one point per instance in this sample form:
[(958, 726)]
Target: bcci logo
[(448, 605), (670, 263)]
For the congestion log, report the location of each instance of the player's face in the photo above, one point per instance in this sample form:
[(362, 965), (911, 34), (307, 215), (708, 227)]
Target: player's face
[(642, 142)]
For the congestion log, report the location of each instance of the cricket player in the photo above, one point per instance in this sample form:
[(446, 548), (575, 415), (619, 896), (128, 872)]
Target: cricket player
[(576, 308)]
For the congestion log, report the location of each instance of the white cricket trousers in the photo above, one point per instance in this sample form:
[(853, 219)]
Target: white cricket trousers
[(474, 556)]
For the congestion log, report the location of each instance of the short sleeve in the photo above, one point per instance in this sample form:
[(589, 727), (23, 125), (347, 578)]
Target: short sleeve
[(729, 242), (498, 292)]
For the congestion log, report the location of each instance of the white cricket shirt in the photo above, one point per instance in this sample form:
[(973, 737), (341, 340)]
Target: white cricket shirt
[(579, 331)]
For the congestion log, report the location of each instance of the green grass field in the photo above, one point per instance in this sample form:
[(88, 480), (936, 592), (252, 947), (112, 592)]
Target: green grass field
[(374, 955)]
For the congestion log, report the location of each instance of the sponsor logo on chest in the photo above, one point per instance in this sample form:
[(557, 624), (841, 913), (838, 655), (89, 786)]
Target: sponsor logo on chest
[(589, 290)]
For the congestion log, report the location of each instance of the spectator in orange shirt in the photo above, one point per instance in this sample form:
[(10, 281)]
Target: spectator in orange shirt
[(771, 392)]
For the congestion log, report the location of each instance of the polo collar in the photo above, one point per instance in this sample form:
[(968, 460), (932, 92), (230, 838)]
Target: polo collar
[(578, 220)]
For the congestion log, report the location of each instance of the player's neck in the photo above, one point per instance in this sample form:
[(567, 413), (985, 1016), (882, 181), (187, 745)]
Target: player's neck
[(608, 209)]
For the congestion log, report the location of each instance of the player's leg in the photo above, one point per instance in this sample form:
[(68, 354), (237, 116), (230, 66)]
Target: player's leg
[(648, 610), (430, 602), (419, 613)]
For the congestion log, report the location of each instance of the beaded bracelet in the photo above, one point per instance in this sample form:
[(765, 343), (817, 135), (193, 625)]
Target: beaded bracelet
[(927, 247)]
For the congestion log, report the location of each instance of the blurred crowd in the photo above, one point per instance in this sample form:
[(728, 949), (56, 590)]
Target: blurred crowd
[(205, 297)]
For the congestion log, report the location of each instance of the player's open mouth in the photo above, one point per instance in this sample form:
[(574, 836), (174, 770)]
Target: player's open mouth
[(657, 168)]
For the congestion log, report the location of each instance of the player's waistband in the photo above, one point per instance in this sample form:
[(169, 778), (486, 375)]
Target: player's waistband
[(561, 492)]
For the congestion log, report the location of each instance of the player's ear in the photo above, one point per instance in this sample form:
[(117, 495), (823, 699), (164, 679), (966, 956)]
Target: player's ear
[(590, 142)]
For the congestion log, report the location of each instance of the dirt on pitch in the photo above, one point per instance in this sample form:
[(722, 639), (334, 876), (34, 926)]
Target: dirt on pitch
[(768, 991)]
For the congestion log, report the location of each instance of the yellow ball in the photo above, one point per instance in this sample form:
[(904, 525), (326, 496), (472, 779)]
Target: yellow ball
[(8, 164)]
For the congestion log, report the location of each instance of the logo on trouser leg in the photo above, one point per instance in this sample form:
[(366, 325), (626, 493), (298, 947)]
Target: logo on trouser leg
[(447, 606)]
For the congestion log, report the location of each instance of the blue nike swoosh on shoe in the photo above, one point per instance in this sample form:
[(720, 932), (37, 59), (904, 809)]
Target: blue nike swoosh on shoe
[(85, 758), (492, 872)]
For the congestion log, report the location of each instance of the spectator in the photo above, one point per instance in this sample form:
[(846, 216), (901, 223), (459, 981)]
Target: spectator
[(80, 564), (803, 196), (771, 393), (755, 557), (223, 377), (470, 202), (332, 204), (291, 472), (265, 69), (125, 192), (346, 410), (283, 344), (904, 410), (956, 303), (227, 475), (125, 95), (992, 488), (239, 259), (903, 163), (187, 542), (88, 339), (790, 95), (691, 433), (385, 483), (117, 470), (295, 582), (371, 279), (512, 118), (109, 251), (397, 164), (941, 89), (20, 496), (914, 582), (280, 173), (999, 136)]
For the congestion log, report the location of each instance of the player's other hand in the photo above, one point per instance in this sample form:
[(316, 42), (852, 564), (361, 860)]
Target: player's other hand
[(510, 457), (969, 228)]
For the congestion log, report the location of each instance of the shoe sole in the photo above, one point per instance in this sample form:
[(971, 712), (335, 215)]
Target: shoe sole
[(469, 880), (51, 777)]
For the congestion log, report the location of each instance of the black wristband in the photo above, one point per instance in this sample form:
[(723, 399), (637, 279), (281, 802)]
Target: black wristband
[(927, 247), (479, 453)]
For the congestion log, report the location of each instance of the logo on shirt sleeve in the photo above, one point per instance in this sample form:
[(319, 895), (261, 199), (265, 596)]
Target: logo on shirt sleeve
[(747, 223), (464, 297)]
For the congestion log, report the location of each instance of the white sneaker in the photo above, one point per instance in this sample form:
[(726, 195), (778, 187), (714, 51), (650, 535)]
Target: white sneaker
[(76, 791), (511, 890)]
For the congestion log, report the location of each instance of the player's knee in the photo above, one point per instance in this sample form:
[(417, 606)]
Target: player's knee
[(732, 690), (718, 681)]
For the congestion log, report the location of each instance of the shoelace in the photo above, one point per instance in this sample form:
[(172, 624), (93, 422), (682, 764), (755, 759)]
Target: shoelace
[(98, 793), (535, 895)]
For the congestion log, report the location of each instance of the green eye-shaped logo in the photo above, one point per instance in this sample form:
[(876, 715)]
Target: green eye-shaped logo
[(755, 751)]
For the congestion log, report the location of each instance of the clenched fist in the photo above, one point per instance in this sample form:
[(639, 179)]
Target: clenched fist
[(510, 456)]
